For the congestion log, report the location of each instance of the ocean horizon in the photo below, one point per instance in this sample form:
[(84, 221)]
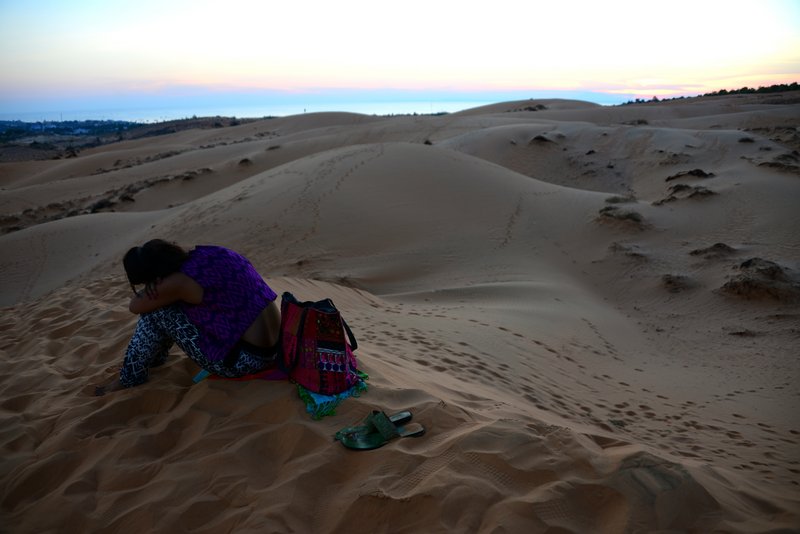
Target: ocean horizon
[(135, 108), (162, 114)]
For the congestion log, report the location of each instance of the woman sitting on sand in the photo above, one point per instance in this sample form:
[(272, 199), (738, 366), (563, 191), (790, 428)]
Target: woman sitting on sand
[(210, 301)]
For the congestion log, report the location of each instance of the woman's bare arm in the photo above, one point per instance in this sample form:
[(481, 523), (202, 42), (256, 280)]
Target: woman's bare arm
[(173, 288)]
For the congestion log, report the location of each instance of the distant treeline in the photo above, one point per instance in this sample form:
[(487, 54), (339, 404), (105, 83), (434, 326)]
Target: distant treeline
[(12, 130), (778, 88)]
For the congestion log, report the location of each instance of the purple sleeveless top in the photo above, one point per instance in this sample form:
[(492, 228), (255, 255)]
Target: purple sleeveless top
[(234, 294)]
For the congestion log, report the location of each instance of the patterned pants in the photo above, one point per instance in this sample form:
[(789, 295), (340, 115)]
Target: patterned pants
[(155, 334)]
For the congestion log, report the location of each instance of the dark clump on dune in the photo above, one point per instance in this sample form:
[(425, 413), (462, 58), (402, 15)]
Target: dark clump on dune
[(744, 333), (631, 251), (102, 204), (692, 190), (537, 107), (760, 279), (696, 173), (700, 192), (767, 269), (682, 191), (785, 162), (717, 250), (245, 162), (616, 213), (540, 139), (675, 283), (191, 175), (613, 213)]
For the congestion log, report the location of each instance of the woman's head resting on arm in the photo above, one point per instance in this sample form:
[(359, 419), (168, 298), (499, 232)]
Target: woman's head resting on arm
[(153, 261)]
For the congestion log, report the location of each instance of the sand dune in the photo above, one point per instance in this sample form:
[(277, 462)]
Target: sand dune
[(594, 311)]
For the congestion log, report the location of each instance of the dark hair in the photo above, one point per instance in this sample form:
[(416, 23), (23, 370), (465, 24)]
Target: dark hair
[(152, 261)]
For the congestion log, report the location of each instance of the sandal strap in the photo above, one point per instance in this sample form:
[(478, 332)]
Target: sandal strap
[(381, 422)]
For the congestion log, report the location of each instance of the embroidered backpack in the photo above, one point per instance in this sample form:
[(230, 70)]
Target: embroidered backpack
[(317, 346)]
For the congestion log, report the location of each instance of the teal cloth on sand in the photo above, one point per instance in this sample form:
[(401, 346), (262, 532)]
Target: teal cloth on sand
[(319, 406)]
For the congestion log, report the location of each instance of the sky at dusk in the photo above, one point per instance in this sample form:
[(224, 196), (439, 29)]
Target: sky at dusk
[(92, 56)]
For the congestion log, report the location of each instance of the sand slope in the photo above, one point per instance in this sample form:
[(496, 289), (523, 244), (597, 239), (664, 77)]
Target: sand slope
[(594, 311)]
